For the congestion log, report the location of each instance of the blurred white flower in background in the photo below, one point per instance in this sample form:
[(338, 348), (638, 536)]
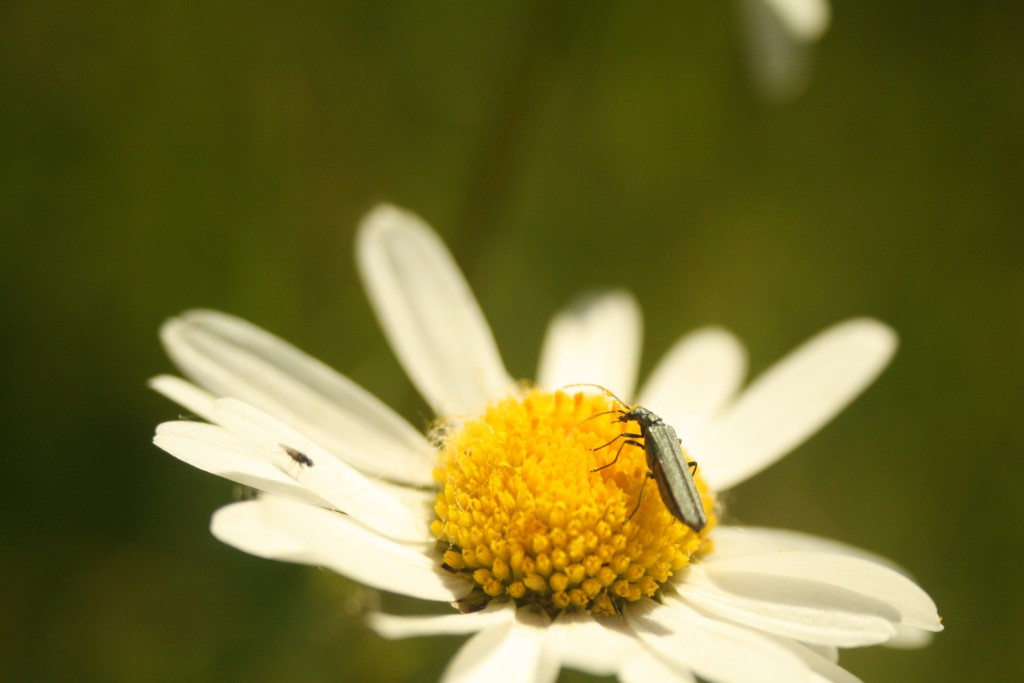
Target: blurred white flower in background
[(779, 39)]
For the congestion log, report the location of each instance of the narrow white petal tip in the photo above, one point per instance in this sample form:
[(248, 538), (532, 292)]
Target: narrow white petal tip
[(173, 328), (184, 393), (384, 217), (908, 638), (164, 385), (873, 333), (870, 341)]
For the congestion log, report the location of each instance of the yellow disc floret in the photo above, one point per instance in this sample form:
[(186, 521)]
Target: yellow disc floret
[(525, 515)]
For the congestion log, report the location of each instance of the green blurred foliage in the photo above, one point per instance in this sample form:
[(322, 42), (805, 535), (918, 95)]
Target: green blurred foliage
[(157, 156)]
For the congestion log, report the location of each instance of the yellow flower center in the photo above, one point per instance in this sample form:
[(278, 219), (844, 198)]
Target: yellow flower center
[(526, 516)]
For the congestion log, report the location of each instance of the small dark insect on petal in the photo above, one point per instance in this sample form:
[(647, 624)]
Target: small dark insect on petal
[(474, 602), (298, 456)]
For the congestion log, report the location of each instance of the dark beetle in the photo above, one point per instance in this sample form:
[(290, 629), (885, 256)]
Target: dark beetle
[(666, 464)]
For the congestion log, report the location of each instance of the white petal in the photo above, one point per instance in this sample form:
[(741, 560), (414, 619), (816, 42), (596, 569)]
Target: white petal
[(804, 610), (795, 398), (871, 580), (342, 486), (185, 394), (829, 653), (282, 529), (511, 651), (908, 638), (694, 380), (595, 340), (394, 626), (731, 541), (647, 668), (713, 649), (583, 643), (213, 449), (231, 357), (429, 314), (420, 501), (824, 667)]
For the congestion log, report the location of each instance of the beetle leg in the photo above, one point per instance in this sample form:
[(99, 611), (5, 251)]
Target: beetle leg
[(623, 435), (630, 442), (640, 496), (614, 460)]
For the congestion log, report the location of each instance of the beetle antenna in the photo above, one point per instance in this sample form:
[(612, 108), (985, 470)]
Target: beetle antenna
[(605, 412), (605, 390)]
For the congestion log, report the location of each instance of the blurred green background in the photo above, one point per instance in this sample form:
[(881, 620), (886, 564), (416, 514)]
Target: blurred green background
[(158, 156)]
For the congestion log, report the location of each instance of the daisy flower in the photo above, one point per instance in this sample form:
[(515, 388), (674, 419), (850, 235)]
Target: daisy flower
[(514, 508), (779, 41)]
